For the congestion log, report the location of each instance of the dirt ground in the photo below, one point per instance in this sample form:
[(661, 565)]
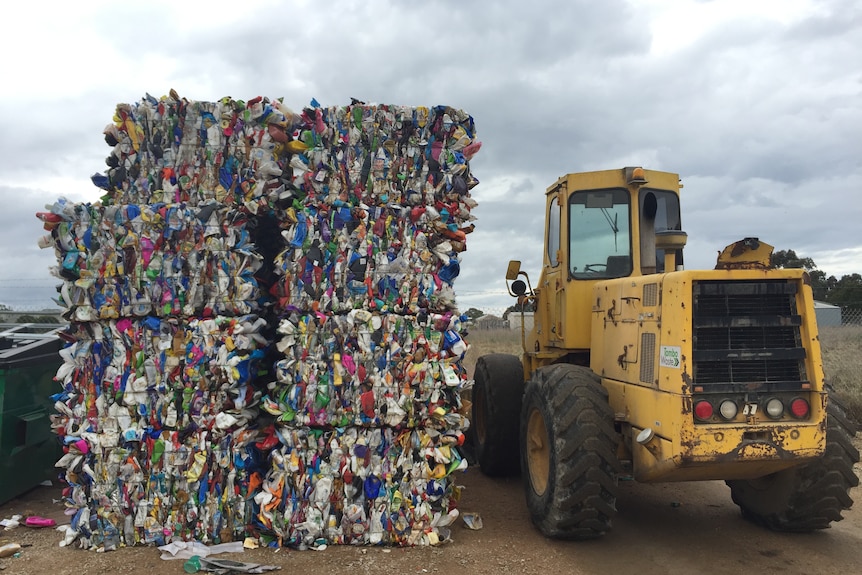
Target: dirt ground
[(665, 529)]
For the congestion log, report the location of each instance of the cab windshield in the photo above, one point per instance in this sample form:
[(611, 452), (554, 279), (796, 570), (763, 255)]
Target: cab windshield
[(599, 235)]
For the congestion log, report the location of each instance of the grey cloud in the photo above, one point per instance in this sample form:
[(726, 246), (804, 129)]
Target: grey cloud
[(24, 279), (761, 119), (834, 19), (808, 217)]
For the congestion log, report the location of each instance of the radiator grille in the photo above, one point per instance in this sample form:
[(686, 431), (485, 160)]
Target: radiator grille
[(746, 336)]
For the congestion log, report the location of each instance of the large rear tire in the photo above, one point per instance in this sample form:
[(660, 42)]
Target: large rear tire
[(497, 394), (809, 497), (568, 453)]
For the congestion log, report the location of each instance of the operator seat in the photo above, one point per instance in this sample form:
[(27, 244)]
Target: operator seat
[(618, 266)]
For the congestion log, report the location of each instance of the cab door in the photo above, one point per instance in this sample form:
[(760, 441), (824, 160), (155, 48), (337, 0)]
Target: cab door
[(554, 284)]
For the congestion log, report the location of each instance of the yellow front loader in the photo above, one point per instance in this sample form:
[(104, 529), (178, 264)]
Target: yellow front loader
[(636, 366)]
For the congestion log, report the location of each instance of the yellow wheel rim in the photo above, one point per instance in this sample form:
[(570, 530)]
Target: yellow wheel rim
[(538, 452)]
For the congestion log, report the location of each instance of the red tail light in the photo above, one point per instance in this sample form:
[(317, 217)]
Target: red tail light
[(703, 410), (799, 408)]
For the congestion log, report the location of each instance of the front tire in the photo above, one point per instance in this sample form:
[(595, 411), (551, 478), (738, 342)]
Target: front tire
[(811, 496), (568, 453), (496, 396)]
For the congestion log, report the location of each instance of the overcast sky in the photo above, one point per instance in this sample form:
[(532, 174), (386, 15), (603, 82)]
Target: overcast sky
[(756, 104)]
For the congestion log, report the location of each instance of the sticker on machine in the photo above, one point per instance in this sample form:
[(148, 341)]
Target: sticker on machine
[(669, 356)]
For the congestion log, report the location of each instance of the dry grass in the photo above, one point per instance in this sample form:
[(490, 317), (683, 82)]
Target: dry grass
[(842, 347), (485, 341), (841, 351)]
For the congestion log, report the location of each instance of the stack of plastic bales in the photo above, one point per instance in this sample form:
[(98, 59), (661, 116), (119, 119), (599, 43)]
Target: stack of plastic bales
[(223, 223), (159, 406), (367, 396)]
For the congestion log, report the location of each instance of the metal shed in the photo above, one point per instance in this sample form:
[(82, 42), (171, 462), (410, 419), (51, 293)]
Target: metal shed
[(828, 315)]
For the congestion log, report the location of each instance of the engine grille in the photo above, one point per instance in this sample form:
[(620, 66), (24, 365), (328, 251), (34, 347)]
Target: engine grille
[(746, 336)]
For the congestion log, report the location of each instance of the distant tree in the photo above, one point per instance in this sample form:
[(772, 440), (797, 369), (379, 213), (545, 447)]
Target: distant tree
[(37, 319), (4, 307), (847, 292), (789, 259), (474, 313), (820, 284)]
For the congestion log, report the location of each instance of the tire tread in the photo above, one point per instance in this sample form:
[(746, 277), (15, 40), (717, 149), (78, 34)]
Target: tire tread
[(581, 498)]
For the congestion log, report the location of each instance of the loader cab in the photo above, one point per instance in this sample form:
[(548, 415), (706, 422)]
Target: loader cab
[(602, 226), (622, 230)]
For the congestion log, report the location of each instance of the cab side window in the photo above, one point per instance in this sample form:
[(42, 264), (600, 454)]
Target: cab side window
[(553, 240), (659, 212)]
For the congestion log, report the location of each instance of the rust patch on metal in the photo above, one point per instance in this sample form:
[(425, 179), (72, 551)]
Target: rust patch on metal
[(610, 313), (687, 403), (686, 378), (688, 440), (746, 254), (741, 266), (759, 449), (621, 359), (824, 401)]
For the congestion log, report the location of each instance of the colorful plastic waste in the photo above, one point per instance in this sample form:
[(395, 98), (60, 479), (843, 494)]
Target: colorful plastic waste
[(167, 260), (264, 339), (369, 369), (359, 486), (158, 419)]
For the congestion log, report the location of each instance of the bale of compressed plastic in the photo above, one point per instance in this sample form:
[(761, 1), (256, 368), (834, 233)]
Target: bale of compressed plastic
[(375, 214), (254, 153), (369, 369), (385, 259), (153, 410), (359, 486), (167, 260)]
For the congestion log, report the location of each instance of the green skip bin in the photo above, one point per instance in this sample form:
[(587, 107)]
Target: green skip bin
[(28, 448)]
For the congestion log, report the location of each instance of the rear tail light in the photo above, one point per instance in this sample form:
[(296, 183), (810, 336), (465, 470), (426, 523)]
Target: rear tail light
[(799, 408), (703, 410), (774, 408), (728, 409)]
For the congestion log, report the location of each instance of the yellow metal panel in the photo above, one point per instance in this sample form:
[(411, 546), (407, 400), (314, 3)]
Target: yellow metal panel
[(684, 450), (619, 321), (748, 253), (675, 335)]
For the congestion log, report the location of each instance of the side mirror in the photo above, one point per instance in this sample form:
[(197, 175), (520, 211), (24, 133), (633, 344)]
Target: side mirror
[(517, 287), (513, 270)]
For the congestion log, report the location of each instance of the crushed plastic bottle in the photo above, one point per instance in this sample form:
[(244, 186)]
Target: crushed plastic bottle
[(9, 549)]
